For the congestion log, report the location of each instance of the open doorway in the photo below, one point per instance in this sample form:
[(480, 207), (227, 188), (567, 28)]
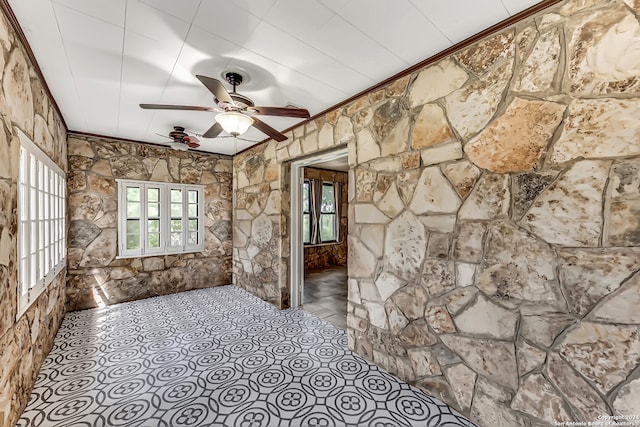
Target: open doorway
[(319, 236)]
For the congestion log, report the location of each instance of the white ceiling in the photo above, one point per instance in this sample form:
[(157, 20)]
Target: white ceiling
[(340, 164), (101, 58)]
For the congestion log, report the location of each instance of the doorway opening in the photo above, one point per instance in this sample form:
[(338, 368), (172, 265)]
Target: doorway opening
[(319, 198)]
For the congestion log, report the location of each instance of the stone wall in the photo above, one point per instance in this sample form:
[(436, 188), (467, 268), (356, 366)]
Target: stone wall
[(25, 342), (330, 255), (260, 252), (95, 276), (494, 240)]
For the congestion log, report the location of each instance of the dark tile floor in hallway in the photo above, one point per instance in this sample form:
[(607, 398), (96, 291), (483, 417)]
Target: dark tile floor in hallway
[(325, 294), (216, 357)]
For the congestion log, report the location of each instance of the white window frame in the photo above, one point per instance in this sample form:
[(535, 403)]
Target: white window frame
[(165, 218), (335, 221), (42, 249)]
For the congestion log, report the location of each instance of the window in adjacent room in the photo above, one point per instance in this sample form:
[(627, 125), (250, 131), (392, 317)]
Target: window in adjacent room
[(320, 211), (41, 222), (306, 212), (156, 218), (328, 213)]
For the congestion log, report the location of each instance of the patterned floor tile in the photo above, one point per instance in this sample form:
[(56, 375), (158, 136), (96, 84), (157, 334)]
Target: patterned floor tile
[(216, 357)]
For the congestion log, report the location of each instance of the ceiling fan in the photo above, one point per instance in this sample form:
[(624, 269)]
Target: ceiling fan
[(180, 140), (236, 112)]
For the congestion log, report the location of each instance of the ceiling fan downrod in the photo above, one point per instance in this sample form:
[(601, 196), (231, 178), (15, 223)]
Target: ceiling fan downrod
[(234, 79)]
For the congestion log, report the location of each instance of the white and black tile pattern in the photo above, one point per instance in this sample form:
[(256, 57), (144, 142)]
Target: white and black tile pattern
[(216, 357)]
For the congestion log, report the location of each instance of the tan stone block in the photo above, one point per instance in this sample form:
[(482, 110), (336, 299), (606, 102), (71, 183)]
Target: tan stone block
[(396, 141), (462, 381), (485, 318), (398, 86), (102, 167), (516, 140), (537, 397), (410, 160), (333, 116), (505, 275), (357, 105), (431, 127), (569, 212), (434, 194), (602, 54), (489, 199), (272, 171), (578, 392), (589, 343), (494, 360), (436, 81), (481, 56), (539, 71), (529, 357), (588, 275), (441, 153), (16, 86), (470, 108), (343, 131), (417, 334), (101, 185), (424, 363), (439, 319)]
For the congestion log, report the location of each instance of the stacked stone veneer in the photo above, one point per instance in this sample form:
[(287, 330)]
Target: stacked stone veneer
[(95, 276), (332, 254), (494, 219), (24, 342)]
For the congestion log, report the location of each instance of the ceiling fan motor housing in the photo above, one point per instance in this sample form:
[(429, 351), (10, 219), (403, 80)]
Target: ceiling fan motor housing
[(177, 133)]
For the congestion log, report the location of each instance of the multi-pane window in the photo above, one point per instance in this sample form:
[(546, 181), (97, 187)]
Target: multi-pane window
[(328, 213), (159, 218), (319, 212), (41, 226), (306, 212)]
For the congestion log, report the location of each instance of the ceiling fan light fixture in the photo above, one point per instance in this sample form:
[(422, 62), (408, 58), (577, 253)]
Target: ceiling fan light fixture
[(177, 145), (234, 123)]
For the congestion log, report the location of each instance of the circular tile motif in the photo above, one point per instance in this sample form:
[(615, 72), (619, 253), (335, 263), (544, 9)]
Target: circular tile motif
[(127, 413), (375, 384), (234, 396), (349, 403), (122, 355), (252, 417), (164, 358), (70, 407), (318, 419), (191, 415), (124, 370), (271, 378), (179, 392), (209, 360), (221, 375), (126, 388)]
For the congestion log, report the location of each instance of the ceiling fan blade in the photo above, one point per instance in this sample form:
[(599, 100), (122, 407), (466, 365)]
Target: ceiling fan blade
[(216, 88), (191, 138), (213, 131), (175, 107), (281, 111), (265, 128)]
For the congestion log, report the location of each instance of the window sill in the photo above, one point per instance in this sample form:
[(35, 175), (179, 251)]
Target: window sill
[(159, 254), (308, 245)]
